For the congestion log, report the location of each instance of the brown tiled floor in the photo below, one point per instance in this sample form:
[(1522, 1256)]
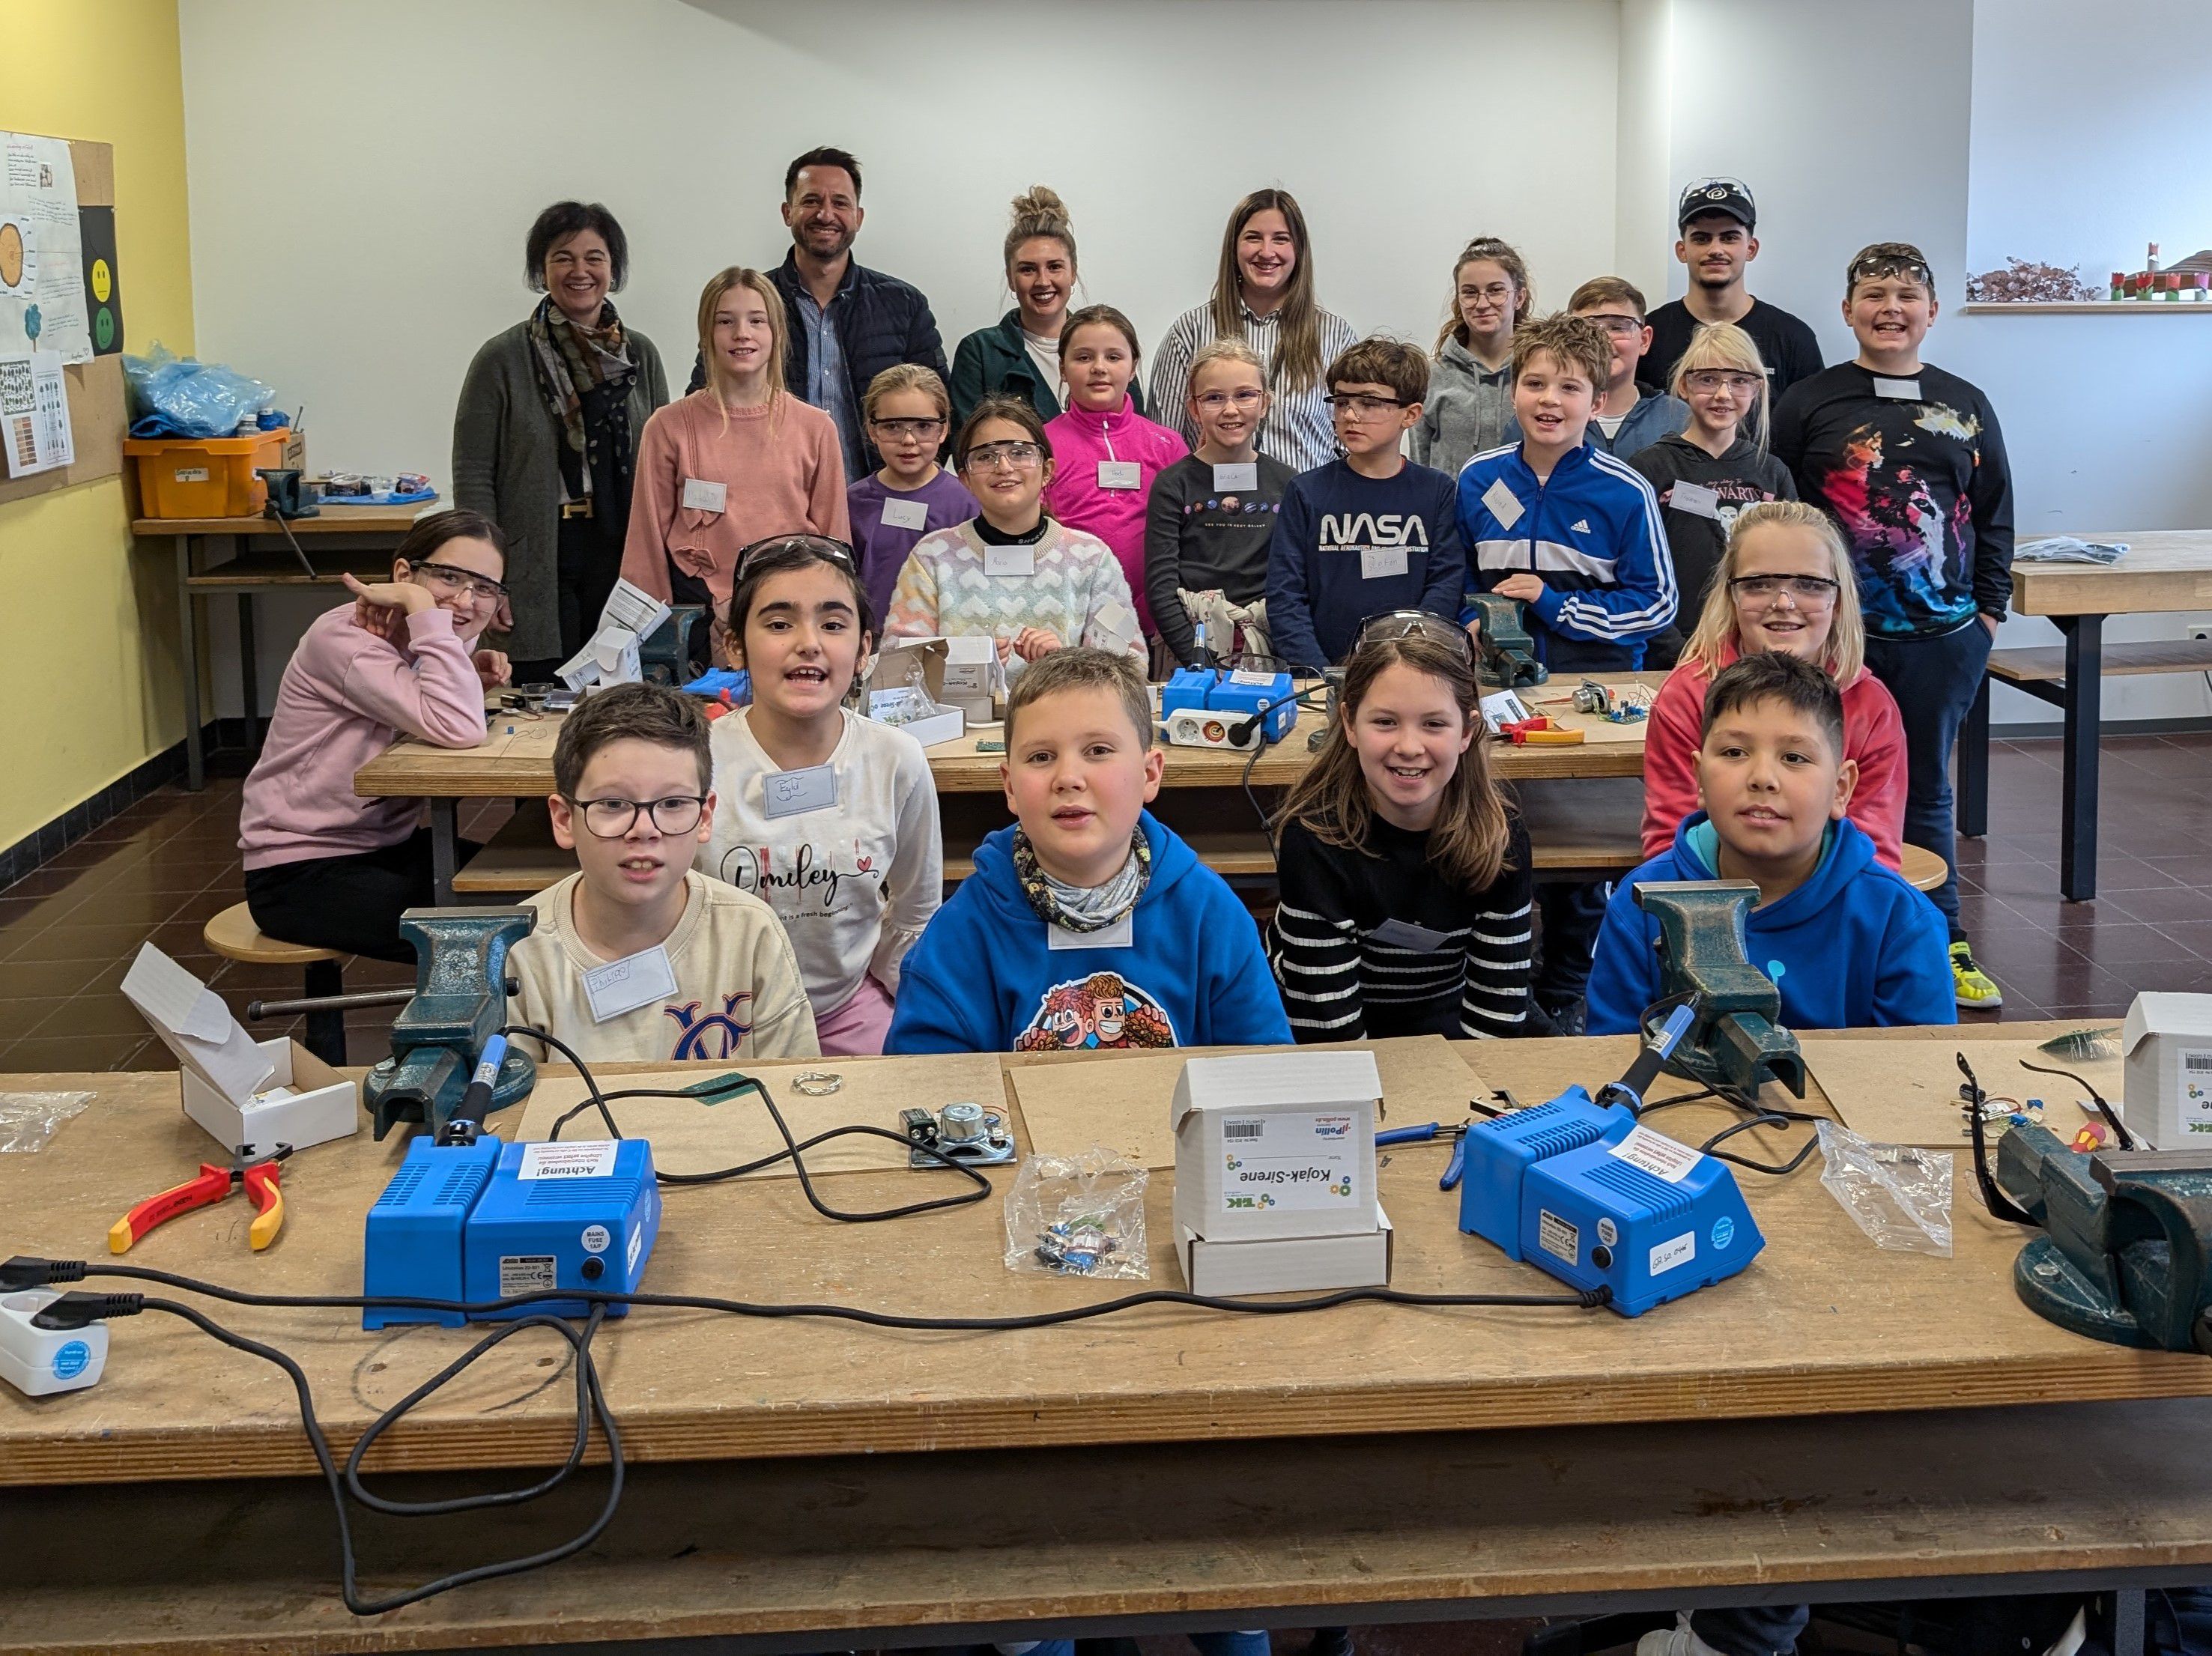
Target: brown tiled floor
[(158, 871)]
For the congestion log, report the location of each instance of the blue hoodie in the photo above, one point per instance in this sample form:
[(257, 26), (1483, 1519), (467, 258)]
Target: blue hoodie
[(1852, 948), (985, 977)]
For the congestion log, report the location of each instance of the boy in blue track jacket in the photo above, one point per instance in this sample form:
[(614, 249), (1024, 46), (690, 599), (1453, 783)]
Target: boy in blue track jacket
[(1847, 941), (1087, 924), (1569, 529)]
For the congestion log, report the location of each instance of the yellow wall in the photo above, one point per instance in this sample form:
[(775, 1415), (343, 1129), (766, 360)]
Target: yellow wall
[(87, 616)]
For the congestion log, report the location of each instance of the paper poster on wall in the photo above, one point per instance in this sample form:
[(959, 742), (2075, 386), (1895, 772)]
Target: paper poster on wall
[(103, 287), (35, 423), (45, 309)]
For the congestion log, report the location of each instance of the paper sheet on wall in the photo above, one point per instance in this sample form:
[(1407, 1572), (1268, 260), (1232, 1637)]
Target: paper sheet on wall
[(41, 251), (34, 422)]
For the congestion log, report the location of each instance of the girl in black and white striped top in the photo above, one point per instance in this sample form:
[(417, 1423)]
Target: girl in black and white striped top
[(1404, 872)]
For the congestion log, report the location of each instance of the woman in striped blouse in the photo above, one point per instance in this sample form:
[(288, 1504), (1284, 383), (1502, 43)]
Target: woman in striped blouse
[(1404, 872), (1264, 295)]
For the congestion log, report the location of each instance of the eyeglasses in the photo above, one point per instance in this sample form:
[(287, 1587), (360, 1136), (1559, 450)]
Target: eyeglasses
[(909, 427), (611, 819), (1620, 325), (1710, 379), (1764, 589), (988, 457), (1214, 401), (822, 546), (1359, 405), (1893, 258), (1394, 624), (448, 579)]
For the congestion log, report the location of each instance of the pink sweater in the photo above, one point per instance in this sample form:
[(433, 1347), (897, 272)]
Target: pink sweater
[(1080, 439), (1874, 735), (347, 696), (781, 471)]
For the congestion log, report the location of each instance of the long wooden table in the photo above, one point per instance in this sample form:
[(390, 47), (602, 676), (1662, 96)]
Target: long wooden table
[(1201, 790), (2162, 572), (357, 539), (1823, 1351)]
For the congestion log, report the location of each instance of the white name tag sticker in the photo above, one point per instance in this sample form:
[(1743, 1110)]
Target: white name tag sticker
[(625, 984), (905, 514), (1257, 680), (1244, 475), (793, 793), (1404, 934), (1502, 504), (1379, 562), (700, 496), (1123, 934), (1119, 474), (1010, 560), (1695, 498), (1897, 390)]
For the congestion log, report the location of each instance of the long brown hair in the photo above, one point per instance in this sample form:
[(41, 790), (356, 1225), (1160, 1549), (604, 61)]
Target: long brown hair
[(1298, 358), (1467, 844), (1516, 271), (779, 327)]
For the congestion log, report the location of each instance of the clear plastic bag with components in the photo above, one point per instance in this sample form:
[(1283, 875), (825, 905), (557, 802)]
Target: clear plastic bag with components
[(28, 1119), (1078, 1216), (1898, 1194)]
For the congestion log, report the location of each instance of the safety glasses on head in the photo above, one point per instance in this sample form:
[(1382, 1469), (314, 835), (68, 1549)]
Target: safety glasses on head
[(1890, 258), (1396, 624), (822, 546)]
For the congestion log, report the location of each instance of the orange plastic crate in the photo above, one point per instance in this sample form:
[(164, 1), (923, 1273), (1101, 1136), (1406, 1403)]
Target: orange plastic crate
[(205, 477)]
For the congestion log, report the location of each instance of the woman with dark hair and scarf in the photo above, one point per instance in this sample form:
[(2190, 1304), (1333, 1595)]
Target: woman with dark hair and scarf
[(545, 437)]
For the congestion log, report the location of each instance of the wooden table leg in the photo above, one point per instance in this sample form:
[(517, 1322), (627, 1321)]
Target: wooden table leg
[(2077, 844), (188, 657), (1974, 767), (445, 838)]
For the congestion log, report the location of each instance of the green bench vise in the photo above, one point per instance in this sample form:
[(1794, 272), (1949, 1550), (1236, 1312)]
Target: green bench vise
[(1737, 1042), (459, 1003), (1505, 654), (667, 657)]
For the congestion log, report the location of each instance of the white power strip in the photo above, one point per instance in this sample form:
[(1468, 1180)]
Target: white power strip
[(39, 1360)]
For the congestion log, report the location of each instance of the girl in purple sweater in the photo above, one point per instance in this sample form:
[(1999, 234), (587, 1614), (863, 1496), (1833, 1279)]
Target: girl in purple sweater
[(323, 866), (1105, 453)]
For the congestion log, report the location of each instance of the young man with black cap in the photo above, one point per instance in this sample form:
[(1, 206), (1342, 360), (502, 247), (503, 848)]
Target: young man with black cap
[(1716, 217)]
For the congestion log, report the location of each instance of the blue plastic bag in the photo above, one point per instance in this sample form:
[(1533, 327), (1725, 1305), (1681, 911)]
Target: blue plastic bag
[(174, 396)]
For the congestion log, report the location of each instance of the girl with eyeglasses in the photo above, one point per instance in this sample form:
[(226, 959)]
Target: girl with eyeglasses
[(908, 416), (1212, 515), (829, 818), (1718, 465), (1013, 574), (1404, 871), (1470, 403), (1783, 583), (325, 868)]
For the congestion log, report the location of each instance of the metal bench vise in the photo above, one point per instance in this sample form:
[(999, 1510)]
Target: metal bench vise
[(1505, 654), (459, 1003), (1737, 1042)]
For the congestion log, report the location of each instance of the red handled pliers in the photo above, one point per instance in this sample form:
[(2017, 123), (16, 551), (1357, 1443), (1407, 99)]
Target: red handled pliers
[(215, 1181)]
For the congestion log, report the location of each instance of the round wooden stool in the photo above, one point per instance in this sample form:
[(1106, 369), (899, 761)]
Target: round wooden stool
[(1923, 868), (232, 935)]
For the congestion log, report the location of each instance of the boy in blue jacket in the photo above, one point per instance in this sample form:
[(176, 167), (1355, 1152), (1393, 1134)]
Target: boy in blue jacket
[(1371, 532), (1572, 532), (1849, 944), (1087, 924)]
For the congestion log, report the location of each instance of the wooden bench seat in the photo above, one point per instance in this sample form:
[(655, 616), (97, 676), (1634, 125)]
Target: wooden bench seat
[(2046, 664), (520, 859)]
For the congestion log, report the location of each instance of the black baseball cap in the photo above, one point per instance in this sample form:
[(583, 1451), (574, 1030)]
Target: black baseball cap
[(1727, 196)]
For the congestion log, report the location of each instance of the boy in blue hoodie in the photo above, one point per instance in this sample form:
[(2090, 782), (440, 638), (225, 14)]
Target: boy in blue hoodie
[(1087, 924), (1849, 944)]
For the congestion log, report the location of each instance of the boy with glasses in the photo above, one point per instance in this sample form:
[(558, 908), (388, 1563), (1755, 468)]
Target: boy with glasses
[(1625, 422), (708, 971), (1371, 532), (1909, 462)]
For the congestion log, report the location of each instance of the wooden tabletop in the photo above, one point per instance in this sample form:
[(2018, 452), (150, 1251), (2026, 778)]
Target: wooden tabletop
[(1823, 1323), (330, 520), (518, 762), (2163, 571)]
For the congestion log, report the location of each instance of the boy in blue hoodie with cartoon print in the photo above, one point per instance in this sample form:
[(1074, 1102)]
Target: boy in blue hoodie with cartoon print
[(1087, 924), (1846, 940)]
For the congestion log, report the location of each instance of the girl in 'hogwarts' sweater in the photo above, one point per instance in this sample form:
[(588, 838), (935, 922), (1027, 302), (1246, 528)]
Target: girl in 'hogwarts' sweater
[(1405, 876)]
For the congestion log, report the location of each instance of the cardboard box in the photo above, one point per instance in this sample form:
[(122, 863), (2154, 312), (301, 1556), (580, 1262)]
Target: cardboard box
[(1276, 1144), (2167, 1043), (974, 681), (1277, 1265), (259, 1093), (893, 670)]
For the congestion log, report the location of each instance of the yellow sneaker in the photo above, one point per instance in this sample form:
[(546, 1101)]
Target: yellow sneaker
[(1975, 988)]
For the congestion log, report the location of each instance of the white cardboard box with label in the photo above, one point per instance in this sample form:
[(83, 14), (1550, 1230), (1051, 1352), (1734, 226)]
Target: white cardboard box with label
[(2168, 1040)]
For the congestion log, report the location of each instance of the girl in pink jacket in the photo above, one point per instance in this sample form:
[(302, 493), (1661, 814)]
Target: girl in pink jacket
[(1785, 582), (1105, 453), (323, 866)]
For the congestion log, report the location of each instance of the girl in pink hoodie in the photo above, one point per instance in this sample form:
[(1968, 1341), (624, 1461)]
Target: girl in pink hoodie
[(323, 866), (1785, 582), (1106, 454)]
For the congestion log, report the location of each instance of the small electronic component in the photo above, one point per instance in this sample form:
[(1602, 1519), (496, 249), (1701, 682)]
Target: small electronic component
[(965, 1131)]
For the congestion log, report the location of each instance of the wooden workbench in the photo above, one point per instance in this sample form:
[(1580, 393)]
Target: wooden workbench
[(358, 539)]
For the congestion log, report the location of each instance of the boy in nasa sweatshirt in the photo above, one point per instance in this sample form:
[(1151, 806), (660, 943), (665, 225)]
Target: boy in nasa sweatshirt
[(1369, 533)]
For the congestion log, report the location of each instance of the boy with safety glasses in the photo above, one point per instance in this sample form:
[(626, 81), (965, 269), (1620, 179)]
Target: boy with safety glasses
[(1909, 462), (1625, 422), (709, 972)]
